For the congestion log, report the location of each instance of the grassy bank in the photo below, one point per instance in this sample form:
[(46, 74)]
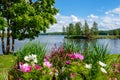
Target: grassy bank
[(6, 62)]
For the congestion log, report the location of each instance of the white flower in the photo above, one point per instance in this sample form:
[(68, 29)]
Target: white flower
[(35, 60), (102, 64), (32, 58), (26, 58), (103, 70), (63, 69), (89, 66)]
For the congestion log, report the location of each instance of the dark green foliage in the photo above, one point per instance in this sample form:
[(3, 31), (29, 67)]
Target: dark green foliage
[(78, 30), (94, 29), (33, 18), (86, 29), (26, 19)]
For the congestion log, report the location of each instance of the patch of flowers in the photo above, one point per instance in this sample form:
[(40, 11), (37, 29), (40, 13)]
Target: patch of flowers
[(59, 65)]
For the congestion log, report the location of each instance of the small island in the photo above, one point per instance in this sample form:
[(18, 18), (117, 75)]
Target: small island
[(79, 31)]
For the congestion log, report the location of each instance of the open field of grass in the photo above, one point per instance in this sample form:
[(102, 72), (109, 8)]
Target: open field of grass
[(6, 62)]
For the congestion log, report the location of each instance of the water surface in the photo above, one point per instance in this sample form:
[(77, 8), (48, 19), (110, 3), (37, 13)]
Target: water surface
[(50, 40)]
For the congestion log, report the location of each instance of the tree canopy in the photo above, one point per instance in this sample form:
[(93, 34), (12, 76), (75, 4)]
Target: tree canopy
[(27, 18)]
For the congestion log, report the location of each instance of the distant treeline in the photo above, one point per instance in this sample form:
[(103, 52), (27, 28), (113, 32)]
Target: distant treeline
[(84, 31)]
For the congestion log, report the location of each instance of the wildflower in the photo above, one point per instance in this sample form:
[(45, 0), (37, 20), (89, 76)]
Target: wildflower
[(63, 69), (73, 75), (37, 67), (76, 56), (47, 57), (79, 56), (102, 64), (103, 70), (20, 63), (115, 78), (116, 71), (47, 64), (32, 58), (72, 56), (89, 66), (19, 79), (25, 68), (67, 62)]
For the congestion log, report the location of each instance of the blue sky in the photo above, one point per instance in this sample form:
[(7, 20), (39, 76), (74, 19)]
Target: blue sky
[(83, 8), (105, 12)]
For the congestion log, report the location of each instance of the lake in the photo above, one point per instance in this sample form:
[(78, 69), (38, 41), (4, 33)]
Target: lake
[(50, 40)]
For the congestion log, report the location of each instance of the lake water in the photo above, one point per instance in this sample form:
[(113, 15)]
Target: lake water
[(50, 40)]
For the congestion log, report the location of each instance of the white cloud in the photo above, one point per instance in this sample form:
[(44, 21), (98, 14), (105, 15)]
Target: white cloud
[(74, 18), (63, 21), (115, 11), (92, 16), (111, 20)]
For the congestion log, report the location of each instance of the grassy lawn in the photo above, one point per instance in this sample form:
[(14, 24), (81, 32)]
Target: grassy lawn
[(6, 62)]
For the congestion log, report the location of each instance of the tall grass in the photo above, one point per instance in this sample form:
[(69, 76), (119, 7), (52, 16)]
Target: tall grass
[(92, 52), (32, 48)]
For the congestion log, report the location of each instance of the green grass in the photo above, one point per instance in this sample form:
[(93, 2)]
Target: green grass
[(6, 62)]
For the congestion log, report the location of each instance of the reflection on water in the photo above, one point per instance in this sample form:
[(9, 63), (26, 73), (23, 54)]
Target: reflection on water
[(50, 40)]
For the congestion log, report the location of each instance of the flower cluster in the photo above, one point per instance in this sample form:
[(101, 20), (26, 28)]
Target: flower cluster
[(102, 66), (26, 67), (76, 56), (31, 58)]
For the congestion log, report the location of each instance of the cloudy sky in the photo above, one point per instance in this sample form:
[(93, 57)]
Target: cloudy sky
[(105, 12)]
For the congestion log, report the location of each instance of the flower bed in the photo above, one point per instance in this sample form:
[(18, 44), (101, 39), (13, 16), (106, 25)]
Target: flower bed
[(62, 64)]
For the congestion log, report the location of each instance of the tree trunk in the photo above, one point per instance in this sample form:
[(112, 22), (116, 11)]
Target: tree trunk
[(8, 38), (2, 40), (13, 42)]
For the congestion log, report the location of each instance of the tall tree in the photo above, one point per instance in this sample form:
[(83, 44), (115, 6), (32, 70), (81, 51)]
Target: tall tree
[(94, 28), (26, 19), (3, 24), (64, 30), (71, 29), (86, 29), (67, 31), (78, 28)]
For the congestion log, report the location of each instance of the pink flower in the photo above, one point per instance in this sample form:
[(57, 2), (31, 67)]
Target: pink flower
[(20, 63), (25, 68), (62, 50), (47, 56), (76, 56), (19, 79), (116, 71), (72, 56), (79, 56), (67, 62), (115, 78), (37, 67), (47, 64), (45, 60), (73, 75)]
